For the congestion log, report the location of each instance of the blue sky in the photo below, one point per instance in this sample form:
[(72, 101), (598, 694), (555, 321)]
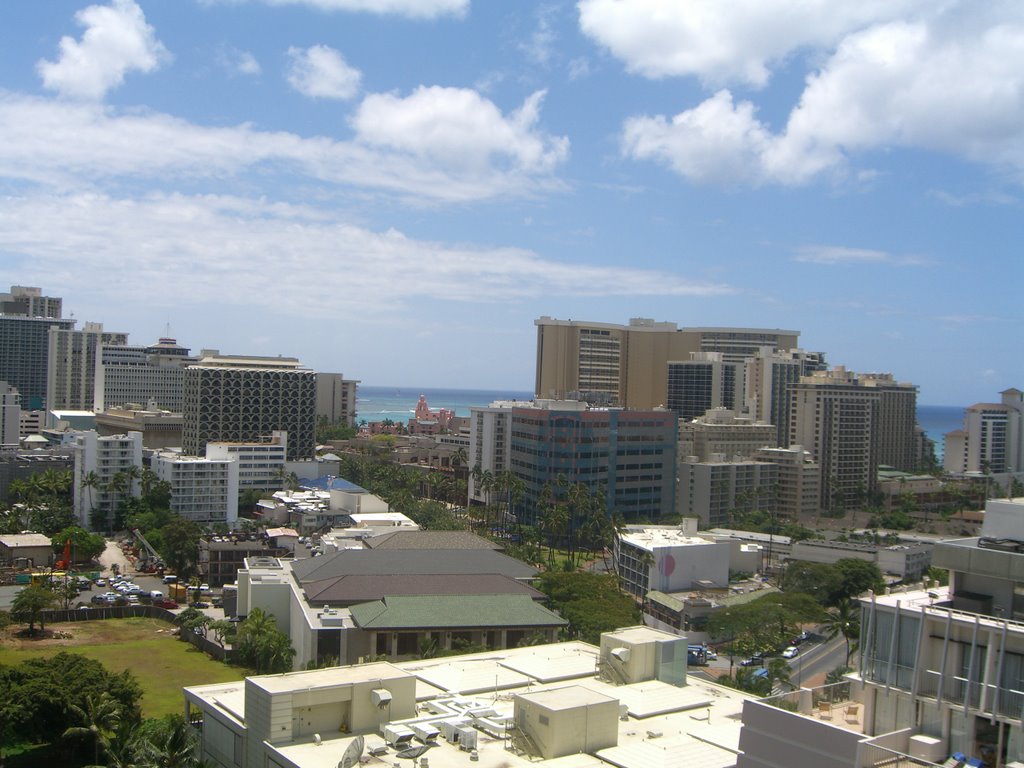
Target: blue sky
[(396, 189)]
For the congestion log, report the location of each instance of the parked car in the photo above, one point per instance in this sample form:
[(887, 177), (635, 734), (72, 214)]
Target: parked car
[(98, 599), (132, 598), (791, 652), (101, 582), (168, 604), (753, 661), (170, 579), (204, 588), (803, 637), (156, 594), (84, 583)]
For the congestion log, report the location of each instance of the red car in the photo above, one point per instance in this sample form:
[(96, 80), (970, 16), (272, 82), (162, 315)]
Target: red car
[(169, 604)]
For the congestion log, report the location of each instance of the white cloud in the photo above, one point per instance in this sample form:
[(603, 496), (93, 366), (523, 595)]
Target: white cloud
[(837, 254), (414, 9), (321, 72), (413, 152), (724, 42), (204, 249), (540, 46), (117, 40), (459, 128), (951, 84), (716, 142), (238, 62)]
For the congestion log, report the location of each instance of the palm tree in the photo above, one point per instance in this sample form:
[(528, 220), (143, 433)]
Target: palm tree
[(91, 480), (98, 718), (843, 620), (116, 485)]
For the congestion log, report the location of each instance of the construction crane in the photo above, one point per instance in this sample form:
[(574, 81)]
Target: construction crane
[(149, 560)]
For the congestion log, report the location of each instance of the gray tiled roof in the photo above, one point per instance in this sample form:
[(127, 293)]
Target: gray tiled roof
[(410, 562), (346, 590), (430, 540)]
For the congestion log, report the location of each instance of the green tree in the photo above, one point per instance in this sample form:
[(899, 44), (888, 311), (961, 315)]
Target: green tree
[(843, 619), (857, 577), (84, 545), (97, 720), (180, 546), (29, 604), (261, 645)]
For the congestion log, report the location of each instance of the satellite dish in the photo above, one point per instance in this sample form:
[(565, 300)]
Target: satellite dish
[(353, 752), (413, 752)]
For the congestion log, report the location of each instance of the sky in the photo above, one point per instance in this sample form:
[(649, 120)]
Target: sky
[(397, 189)]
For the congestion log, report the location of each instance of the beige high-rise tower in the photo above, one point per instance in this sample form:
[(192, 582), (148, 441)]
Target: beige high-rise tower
[(627, 365)]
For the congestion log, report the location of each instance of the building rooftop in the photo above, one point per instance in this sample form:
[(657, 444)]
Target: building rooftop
[(407, 562), (13, 540), (398, 612), (650, 538), (429, 540), (696, 726), (358, 587)]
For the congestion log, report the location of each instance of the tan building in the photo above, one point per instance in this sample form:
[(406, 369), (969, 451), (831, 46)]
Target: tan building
[(852, 423), (722, 431), (336, 399), (627, 365), (798, 488)]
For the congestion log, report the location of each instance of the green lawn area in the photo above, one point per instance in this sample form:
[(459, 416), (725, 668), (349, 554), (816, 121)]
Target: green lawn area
[(161, 663)]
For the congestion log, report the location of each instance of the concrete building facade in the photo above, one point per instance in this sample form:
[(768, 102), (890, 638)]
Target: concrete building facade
[(29, 302), (100, 459), (203, 490), (717, 489), (73, 362), (722, 432), (627, 457), (627, 365), (143, 374), (992, 438), (245, 399), (24, 355), (798, 481), (703, 382), (336, 399)]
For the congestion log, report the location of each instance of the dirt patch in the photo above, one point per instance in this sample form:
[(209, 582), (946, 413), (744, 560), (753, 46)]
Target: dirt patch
[(71, 634)]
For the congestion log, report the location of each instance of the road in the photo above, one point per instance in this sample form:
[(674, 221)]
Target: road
[(810, 667)]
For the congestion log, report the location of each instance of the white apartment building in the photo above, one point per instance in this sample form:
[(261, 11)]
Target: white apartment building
[(102, 458), (260, 463), (142, 374), (203, 490), (715, 489), (992, 438)]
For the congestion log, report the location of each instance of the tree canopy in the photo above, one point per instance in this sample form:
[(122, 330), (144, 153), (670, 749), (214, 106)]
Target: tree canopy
[(590, 602), (829, 584)]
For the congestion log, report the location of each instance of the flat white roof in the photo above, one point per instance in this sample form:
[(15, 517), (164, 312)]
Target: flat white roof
[(651, 538), (328, 677)]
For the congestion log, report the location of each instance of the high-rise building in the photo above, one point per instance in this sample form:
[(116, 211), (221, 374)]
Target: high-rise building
[(627, 365), (72, 364), (24, 354), (261, 464), (703, 382), (992, 438), (10, 417), (851, 424), (244, 399), (143, 375), (626, 457), (97, 461), (769, 374), (336, 399), (798, 481), (29, 302)]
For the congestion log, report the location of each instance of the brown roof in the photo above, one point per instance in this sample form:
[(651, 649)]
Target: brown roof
[(359, 588), (430, 540)]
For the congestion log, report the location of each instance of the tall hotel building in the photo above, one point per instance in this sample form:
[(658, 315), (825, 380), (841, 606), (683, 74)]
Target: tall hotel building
[(704, 382), (245, 399), (851, 424), (992, 439), (24, 354), (627, 365), (142, 375)]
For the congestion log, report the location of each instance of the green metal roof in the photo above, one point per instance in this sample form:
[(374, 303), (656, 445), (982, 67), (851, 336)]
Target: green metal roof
[(453, 611)]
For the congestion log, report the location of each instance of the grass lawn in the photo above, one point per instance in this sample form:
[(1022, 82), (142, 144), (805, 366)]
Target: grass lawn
[(160, 662)]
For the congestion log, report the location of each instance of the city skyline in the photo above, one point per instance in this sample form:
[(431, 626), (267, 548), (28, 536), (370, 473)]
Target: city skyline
[(399, 193)]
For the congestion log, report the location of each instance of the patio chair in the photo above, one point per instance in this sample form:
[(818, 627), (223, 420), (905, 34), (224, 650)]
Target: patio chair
[(824, 710), (853, 713)]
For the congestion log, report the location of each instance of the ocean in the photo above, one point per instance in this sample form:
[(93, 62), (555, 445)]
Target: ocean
[(399, 403)]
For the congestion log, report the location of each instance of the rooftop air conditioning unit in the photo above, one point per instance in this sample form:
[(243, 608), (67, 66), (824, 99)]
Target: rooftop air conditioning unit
[(381, 697), (622, 654)]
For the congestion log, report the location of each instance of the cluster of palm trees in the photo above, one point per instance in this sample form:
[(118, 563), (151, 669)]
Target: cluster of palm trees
[(103, 724), (115, 487)]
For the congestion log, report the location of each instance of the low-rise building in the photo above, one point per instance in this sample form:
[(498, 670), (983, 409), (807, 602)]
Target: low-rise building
[(669, 559), (904, 561), (221, 557), (30, 548), (202, 490), (627, 703)]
